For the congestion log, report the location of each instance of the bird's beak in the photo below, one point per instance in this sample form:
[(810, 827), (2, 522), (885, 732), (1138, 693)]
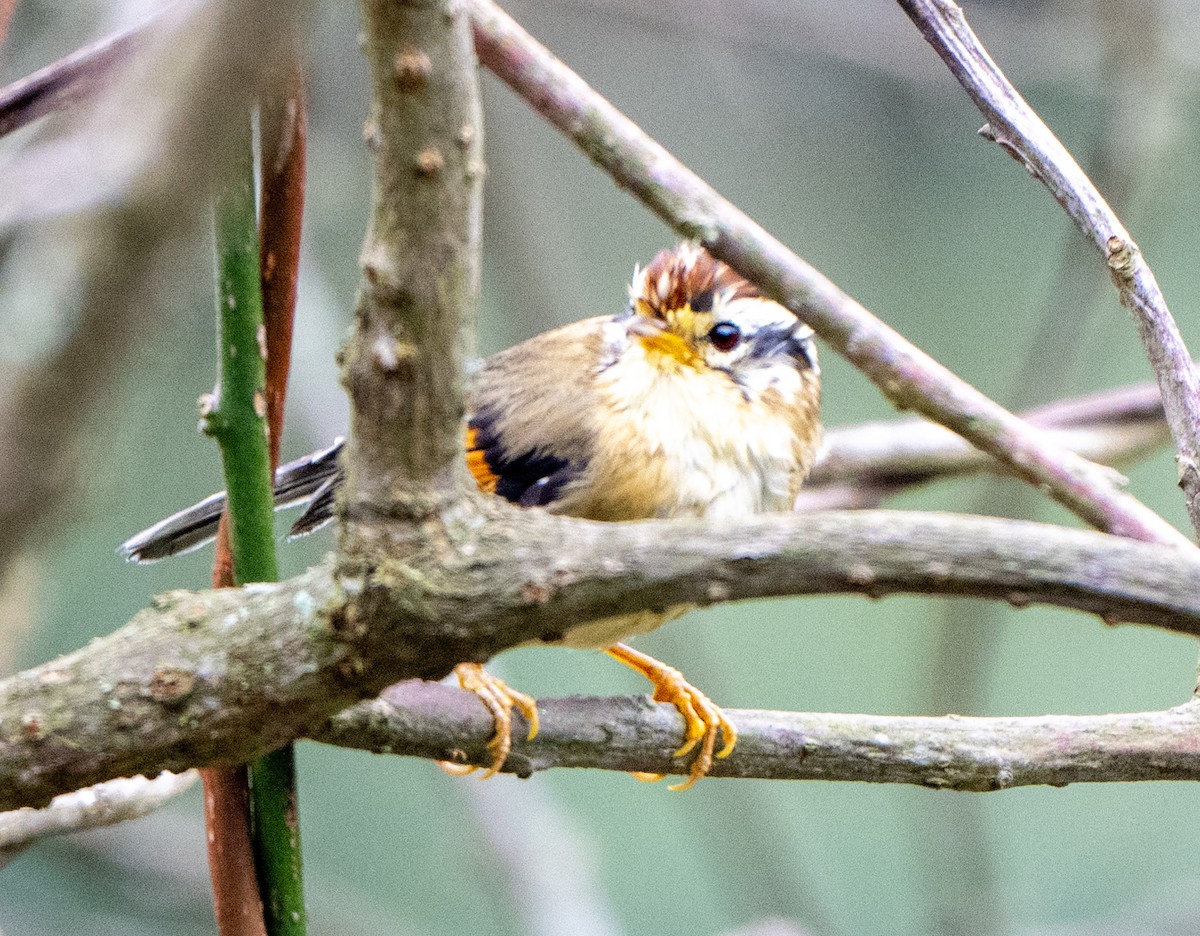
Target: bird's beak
[(654, 336), (642, 326)]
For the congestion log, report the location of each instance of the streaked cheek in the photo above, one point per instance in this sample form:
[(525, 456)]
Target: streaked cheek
[(785, 380)]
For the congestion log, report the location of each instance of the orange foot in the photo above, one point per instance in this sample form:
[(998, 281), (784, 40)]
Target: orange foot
[(500, 700), (701, 718)]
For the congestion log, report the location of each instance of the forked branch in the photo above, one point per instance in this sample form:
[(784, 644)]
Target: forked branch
[(1020, 132)]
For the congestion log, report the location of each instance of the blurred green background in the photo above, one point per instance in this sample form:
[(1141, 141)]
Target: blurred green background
[(836, 127)]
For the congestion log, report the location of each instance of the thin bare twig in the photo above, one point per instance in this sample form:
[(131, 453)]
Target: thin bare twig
[(633, 733), (1017, 129), (284, 127), (104, 804), (627, 733), (74, 77), (1115, 427)]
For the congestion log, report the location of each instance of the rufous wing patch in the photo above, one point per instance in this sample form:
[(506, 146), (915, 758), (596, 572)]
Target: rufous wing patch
[(477, 463), (526, 477)]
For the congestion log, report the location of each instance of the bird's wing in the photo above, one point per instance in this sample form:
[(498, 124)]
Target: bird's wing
[(531, 427)]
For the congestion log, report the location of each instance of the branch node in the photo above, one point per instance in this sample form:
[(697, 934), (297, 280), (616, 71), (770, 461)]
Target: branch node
[(1187, 469), (1018, 599), (412, 67), (430, 162), (390, 353), (860, 575), (32, 727), (172, 684), (1121, 256), (372, 135)]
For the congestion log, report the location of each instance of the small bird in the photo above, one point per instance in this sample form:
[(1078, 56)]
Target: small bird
[(700, 399)]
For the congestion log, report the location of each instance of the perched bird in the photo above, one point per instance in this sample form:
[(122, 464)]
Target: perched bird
[(700, 399)]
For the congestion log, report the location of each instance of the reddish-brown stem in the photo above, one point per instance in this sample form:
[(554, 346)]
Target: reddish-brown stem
[(7, 9), (222, 573), (236, 903), (284, 130)]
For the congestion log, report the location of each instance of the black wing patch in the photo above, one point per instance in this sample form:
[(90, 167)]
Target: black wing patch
[(529, 479)]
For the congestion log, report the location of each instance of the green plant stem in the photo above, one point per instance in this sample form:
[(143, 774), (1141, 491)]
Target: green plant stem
[(237, 419), (275, 831)]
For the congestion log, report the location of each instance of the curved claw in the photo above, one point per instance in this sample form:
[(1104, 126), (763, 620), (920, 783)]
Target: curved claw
[(499, 699), (702, 719)]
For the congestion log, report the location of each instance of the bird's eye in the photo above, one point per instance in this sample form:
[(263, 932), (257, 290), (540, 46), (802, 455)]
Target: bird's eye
[(702, 301), (725, 336)]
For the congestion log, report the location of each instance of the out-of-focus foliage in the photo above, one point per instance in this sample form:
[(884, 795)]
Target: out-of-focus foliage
[(839, 130)]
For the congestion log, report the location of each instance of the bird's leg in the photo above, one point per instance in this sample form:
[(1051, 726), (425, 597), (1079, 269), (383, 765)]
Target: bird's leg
[(701, 718), (499, 699)]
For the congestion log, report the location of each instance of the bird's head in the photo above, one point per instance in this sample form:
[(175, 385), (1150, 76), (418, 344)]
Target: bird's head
[(689, 310)]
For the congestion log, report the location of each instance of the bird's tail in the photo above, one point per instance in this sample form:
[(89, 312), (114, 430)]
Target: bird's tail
[(310, 480)]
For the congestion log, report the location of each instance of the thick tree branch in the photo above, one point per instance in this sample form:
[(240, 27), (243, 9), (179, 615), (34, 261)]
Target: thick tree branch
[(421, 719), (420, 262), (952, 752), (1018, 130), (218, 677), (905, 374)]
